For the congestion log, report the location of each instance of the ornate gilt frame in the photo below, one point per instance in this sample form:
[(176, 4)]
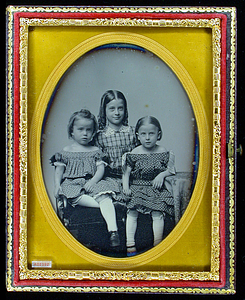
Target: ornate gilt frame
[(19, 276)]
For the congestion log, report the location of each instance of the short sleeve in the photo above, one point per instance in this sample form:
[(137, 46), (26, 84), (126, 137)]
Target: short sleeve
[(130, 161), (126, 161), (58, 160), (171, 163), (100, 158)]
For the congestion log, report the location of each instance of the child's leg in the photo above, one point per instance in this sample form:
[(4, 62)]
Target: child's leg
[(131, 226), (109, 214), (87, 201), (157, 226)]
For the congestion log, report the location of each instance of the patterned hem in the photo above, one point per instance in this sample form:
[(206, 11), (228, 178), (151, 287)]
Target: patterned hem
[(148, 209)]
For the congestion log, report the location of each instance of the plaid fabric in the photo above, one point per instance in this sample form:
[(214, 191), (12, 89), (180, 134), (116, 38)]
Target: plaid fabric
[(145, 167), (113, 145)]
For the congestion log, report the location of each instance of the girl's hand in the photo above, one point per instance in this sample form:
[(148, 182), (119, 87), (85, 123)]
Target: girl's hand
[(127, 191), (125, 181), (158, 181), (89, 186)]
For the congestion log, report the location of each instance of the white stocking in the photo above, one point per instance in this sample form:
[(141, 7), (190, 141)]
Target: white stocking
[(87, 201), (131, 226), (108, 212), (157, 226)]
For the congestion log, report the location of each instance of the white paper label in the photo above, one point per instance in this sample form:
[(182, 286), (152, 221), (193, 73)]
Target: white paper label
[(42, 264)]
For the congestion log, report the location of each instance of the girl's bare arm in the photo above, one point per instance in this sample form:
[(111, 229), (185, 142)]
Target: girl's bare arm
[(125, 181), (58, 175), (96, 178), (159, 179)]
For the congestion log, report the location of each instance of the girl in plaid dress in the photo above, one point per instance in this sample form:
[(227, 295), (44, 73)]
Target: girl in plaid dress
[(145, 170), (79, 169), (114, 138)]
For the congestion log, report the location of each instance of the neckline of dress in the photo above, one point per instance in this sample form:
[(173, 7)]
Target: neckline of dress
[(109, 131), (148, 153), (96, 150)]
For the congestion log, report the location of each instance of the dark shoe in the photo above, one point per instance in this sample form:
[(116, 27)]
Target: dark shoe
[(131, 251), (114, 239)]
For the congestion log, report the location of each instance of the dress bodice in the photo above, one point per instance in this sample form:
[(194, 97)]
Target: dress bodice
[(114, 143), (77, 164), (148, 166)]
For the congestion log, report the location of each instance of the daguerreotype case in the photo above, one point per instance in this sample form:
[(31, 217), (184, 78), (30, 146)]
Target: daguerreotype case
[(121, 149)]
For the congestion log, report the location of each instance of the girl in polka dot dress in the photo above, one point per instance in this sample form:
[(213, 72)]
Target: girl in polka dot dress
[(79, 169), (145, 169)]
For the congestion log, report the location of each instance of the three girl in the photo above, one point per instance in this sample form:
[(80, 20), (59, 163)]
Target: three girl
[(81, 166)]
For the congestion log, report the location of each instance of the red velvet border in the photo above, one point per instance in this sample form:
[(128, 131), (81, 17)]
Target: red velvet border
[(17, 281)]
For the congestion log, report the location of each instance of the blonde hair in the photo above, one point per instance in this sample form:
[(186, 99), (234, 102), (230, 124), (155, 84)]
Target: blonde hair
[(83, 113)]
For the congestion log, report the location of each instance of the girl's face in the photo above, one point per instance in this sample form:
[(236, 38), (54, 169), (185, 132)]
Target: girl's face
[(148, 135), (83, 131), (115, 111)]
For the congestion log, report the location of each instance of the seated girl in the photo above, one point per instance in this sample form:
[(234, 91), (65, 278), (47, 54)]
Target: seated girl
[(79, 169), (146, 168)]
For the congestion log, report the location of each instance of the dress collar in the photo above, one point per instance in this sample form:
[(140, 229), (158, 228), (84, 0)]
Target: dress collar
[(109, 131)]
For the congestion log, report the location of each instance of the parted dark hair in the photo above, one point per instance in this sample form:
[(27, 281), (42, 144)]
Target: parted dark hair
[(148, 120), (83, 113), (106, 98)]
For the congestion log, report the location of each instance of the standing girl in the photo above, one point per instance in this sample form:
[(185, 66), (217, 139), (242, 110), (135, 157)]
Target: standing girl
[(79, 169), (145, 170), (115, 137)]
